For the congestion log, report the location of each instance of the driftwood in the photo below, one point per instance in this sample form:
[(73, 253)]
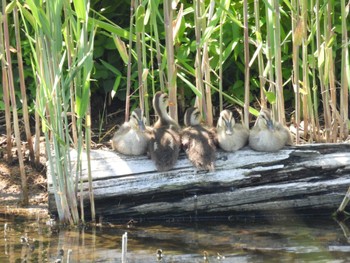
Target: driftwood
[(310, 177)]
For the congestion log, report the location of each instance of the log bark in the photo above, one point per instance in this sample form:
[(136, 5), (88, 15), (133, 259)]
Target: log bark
[(310, 178)]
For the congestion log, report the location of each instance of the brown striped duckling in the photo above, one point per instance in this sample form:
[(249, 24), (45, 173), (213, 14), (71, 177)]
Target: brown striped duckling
[(231, 136), (164, 144), (198, 141), (268, 135), (133, 136)]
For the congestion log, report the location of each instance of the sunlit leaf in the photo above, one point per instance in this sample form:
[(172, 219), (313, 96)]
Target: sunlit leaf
[(320, 61), (145, 74), (177, 22), (193, 87), (80, 8), (116, 83), (10, 7), (271, 97), (111, 28), (121, 48), (140, 16)]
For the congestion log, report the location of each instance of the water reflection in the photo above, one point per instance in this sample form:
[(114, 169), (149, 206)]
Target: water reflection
[(297, 239)]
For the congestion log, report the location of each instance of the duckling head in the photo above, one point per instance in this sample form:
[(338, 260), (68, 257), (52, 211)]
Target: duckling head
[(137, 120), (192, 117), (226, 121), (160, 102), (265, 120)]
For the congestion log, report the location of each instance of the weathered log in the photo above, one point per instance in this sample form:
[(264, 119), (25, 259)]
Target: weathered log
[(308, 177)]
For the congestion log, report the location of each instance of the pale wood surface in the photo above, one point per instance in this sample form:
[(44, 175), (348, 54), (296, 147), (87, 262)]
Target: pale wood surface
[(296, 178)]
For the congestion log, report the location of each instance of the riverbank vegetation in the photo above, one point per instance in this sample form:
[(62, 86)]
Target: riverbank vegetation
[(60, 57)]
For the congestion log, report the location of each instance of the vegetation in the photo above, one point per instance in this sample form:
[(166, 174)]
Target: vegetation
[(292, 56)]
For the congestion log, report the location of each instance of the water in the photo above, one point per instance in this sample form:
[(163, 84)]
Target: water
[(295, 239)]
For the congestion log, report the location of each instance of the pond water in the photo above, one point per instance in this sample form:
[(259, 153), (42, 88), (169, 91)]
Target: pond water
[(294, 239)]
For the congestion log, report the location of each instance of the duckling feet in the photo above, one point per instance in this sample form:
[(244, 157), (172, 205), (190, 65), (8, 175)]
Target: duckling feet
[(223, 158), (200, 171)]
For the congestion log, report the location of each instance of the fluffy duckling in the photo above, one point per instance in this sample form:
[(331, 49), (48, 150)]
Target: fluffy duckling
[(133, 136), (164, 144), (267, 135), (198, 141), (231, 136)]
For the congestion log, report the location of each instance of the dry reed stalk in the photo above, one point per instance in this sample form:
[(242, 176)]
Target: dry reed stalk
[(200, 102), (320, 56), (128, 82), (246, 64), (140, 14), (6, 96), (278, 65), (262, 81), (23, 87), (205, 68), (297, 35), (345, 73), (24, 184), (171, 67)]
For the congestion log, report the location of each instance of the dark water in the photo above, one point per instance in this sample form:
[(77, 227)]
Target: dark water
[(294, 239)]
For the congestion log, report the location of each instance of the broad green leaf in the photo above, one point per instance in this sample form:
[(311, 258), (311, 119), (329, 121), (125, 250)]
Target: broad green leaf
[(121, 48), (271, 97), (111, 28), (27, 16), (80, 8), (115, 86), (110, 67), (140, 17), (193, 87), (10, 7)]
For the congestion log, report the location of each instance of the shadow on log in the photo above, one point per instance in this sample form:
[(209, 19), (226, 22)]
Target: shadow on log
[(303, 178)]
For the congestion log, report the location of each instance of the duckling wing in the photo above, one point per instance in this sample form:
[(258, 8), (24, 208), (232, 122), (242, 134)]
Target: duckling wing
[(285, 134), (164, 148), (200, 147)]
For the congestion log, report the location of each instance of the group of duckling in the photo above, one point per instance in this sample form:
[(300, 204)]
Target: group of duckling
[(165, 139)]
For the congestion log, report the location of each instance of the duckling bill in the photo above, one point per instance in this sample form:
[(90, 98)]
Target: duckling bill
[(133, 136), (267, 135), (198, 142)]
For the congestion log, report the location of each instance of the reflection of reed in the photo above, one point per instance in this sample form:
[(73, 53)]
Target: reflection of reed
[(124, 247), (345, 229)]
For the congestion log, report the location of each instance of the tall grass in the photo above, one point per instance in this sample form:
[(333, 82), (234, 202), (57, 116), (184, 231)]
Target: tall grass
[(10, 90), (58, 86)]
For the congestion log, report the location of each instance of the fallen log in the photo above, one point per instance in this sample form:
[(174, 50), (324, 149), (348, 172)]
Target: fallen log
[(302, 178)]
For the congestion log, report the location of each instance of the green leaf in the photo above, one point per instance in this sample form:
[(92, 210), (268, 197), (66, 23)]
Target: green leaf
[(193, 87), (115, 86), (140, 17), (121, 48), (80, 8), (271, 97), (110, 67), (111, 28), (10, 7)]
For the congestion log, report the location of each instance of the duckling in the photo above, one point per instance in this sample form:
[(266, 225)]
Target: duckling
[(267, 135), (164, 144), (231, 136), (198, 141), (133, 136)]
